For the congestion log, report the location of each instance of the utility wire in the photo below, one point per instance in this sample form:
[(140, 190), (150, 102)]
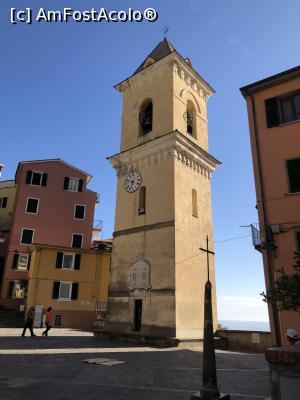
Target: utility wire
[(235, 238)]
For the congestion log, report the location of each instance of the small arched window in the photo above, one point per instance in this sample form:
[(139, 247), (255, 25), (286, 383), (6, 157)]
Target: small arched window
[(194, 203), (191, 119), (142, 200), (146, 117)]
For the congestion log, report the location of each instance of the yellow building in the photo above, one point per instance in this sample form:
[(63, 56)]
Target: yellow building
[(163, 208), (73, 282), (7, 199)]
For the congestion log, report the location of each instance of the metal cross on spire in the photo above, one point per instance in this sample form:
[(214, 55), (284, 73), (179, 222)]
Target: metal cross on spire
[(165, 30)]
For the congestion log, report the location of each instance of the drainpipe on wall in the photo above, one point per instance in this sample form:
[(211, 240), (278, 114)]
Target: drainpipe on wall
[(269, 238)]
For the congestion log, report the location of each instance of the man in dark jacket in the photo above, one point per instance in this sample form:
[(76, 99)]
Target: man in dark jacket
[(29, 321)]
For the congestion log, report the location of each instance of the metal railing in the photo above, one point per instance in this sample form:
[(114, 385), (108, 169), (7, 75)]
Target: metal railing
[(256, 239)]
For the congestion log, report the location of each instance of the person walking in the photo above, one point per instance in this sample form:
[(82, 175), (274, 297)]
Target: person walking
[(48, 321), (29, 322)]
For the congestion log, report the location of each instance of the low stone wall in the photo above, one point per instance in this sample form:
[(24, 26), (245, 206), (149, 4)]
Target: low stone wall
[(284, 365), (252, 341)]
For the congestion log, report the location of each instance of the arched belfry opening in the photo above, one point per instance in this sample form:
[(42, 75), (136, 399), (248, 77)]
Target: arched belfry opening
[(190, 117), (146, 117)]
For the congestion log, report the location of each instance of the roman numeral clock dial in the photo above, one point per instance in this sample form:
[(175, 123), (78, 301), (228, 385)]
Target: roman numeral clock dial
[(133, 181)]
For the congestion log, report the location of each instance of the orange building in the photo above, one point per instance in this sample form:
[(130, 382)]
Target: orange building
[(274, 119)]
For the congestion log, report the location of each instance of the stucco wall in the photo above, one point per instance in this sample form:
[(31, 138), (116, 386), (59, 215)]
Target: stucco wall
[(92, 277), (54, 223), (276, 145)]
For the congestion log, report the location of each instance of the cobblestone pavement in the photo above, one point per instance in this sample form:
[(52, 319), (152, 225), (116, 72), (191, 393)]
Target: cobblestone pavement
[(52, 369)]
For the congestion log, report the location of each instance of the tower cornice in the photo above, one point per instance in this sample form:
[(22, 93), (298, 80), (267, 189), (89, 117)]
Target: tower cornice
[(172, 145), (180, 66)]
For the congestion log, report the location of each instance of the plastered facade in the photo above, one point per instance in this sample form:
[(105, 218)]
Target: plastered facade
[(172, 163)]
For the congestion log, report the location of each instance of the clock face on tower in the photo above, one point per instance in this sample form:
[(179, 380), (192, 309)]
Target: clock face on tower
[(133, 181)]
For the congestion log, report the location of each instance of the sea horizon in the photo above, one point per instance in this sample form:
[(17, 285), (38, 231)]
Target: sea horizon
[(246, 325)]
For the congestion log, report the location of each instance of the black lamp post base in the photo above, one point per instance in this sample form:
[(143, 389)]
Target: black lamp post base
[(221, 396)]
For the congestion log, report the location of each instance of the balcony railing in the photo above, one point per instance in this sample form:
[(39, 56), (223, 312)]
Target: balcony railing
[(256, 239), (97, 227)]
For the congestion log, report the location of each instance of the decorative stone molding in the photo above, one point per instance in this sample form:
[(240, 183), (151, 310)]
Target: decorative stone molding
[(190, 81), (173, 145), (140, 272)]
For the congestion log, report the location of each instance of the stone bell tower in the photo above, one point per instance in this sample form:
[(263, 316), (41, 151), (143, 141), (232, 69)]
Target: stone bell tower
[(163, 207)]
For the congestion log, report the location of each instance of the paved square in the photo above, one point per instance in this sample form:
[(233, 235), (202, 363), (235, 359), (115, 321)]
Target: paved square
[(51, 368)]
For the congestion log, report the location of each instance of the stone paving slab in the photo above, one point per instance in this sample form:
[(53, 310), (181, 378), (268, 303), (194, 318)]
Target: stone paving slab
[(52, 369)]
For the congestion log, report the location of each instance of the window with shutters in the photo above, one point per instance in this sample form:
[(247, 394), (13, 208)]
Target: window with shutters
[(32, 205), (27, 236), (283, 109), (77, 240), (293, 171), (16, 290), (79, 211), (290, 107), (21, 261), (68, 261), (142, 200), (73, 184), (3, 202), (65, 290), (36, 178)]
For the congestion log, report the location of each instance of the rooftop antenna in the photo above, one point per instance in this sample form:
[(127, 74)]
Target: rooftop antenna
[(165, 30)]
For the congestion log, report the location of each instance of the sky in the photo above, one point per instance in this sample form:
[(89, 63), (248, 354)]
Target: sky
[(57, 100)]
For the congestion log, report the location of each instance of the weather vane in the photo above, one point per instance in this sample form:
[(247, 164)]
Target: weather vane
[(165, 30)]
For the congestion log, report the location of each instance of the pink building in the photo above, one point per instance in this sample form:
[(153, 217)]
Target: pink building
[(52, 206), (274, 120)]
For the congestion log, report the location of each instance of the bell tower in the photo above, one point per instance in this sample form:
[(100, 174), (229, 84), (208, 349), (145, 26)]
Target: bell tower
[(163, 206)]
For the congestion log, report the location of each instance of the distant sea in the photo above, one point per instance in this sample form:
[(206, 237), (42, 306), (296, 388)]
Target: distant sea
[(246, 325)]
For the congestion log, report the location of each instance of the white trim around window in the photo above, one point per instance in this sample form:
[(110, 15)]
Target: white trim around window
[(73, 184), (72, 256), (80, 205), (80, 234), (23, 260), (70, 291), (37, 208), (27, 229), (41, 177)]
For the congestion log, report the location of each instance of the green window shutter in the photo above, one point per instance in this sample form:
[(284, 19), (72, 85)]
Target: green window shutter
[(66, 183), (77, 261), (15, 261), (74, 295), (28, 263), (55, 291), (59, 260), (28, 176), (80, 185), (272, 112), (4, 202), (44, 179), (293, 167), (10, 289)]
